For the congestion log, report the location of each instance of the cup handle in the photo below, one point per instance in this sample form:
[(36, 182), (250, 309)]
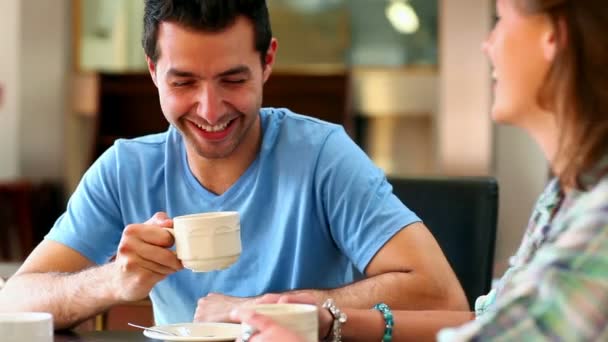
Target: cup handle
[(172, 232)]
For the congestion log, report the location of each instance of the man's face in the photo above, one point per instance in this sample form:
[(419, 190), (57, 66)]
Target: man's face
[(210, 85)]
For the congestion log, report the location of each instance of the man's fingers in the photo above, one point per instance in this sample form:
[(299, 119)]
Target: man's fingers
[(166, 259), (155, 236), (150, 266), (300, 298), (160, 219), (269, 298)]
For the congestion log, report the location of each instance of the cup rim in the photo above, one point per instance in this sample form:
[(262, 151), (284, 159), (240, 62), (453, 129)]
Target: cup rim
[(216, 214), (24, 317)]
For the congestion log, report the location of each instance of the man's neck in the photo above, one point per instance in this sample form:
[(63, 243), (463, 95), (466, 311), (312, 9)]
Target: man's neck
[(218, 175)]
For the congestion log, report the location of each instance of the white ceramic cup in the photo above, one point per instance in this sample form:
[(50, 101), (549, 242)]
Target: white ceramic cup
[(299, 318), (26, 326), (208, 241)]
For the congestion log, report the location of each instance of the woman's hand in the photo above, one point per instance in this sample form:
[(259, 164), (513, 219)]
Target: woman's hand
[(325, 318), (265, 328)]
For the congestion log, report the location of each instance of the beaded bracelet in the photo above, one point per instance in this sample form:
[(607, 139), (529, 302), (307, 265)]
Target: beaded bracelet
[(388, 320)]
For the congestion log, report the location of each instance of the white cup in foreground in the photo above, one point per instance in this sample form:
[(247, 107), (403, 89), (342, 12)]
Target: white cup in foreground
[(208, 241), (299, 318), (26, 326)]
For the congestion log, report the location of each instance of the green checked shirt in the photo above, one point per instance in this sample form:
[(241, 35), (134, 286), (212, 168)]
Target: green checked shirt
[(556, 287)]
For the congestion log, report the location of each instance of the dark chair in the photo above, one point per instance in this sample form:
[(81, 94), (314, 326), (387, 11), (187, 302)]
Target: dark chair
[(462, 214)]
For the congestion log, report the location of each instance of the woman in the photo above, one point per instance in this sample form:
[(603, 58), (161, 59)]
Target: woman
[(551, 80)]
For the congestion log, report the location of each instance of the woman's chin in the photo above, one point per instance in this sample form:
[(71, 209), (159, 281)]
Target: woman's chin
[(497, 116), (501, 116)]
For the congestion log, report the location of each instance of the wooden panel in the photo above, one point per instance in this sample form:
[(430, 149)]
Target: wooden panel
[(128, 107), (325, 96), (140, 313)]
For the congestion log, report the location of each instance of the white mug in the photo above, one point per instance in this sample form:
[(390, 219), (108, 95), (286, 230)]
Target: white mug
[(302, 319), (207, 241), (26, 326)]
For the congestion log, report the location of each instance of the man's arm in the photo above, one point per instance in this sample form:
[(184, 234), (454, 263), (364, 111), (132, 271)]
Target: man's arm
[(59, 280), (409, 273)]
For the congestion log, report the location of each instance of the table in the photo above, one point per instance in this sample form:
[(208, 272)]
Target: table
[(102, 336), (7, 269)]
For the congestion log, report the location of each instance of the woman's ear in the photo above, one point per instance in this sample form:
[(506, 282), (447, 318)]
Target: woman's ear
[(555, 38)]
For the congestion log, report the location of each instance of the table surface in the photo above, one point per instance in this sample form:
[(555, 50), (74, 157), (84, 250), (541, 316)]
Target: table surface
[(102, 336), (7, 269)]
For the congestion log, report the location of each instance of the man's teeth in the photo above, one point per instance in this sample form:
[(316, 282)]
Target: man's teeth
[(215, 128)]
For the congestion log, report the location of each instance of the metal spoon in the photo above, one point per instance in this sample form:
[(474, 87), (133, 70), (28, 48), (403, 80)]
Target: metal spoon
[(165, 332)]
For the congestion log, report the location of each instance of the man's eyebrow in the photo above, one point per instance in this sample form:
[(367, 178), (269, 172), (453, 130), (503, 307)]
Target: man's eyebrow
[(241, 69), (181, 73)]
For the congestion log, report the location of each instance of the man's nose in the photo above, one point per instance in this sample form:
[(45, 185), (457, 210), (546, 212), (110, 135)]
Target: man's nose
[(209, 105)]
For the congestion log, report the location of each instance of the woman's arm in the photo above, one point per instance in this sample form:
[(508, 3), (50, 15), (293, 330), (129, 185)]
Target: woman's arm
[(362, 324), (369, 325)]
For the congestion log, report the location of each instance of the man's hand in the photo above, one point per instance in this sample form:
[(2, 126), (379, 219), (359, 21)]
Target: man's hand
[(143, 258), (216, 307)]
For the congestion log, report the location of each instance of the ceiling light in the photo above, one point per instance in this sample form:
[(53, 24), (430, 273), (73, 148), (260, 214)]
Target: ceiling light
[(402, 16)]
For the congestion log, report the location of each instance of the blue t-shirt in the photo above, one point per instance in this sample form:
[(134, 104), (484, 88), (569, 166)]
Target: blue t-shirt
[(314, 210)]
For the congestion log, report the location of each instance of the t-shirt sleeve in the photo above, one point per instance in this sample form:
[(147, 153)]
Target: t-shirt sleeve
[(92, 223), (358, 202)]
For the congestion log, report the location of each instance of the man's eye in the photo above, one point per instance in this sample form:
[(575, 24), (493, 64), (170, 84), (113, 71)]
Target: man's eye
[(235, 81), (181, 84)]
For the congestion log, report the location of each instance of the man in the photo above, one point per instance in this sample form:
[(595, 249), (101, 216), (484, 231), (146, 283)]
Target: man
[(316, 215)]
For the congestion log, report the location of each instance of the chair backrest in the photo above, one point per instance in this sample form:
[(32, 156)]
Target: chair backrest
[(461, 213)]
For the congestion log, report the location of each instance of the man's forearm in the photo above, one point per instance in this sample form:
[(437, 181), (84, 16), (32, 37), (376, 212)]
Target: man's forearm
[(70, 297), (400, 290)]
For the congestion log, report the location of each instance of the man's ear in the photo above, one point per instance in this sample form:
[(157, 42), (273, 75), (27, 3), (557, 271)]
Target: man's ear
[(152, 69), (271, 54)]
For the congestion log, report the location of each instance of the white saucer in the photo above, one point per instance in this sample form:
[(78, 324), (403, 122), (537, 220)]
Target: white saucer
[(197, 332)]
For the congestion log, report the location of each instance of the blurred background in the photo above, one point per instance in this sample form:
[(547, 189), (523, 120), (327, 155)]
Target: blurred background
[(405, 77)]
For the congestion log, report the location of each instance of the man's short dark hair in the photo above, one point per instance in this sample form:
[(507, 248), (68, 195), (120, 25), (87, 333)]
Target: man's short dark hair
[(205, 16)]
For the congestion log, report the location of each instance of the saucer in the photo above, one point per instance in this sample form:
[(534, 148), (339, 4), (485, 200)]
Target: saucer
[(197, 332)]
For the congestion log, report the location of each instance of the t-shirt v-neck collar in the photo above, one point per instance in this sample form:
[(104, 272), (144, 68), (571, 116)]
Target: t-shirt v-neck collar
[(236, 188)]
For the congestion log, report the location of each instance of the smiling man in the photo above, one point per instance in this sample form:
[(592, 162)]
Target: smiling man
[(316, 215)]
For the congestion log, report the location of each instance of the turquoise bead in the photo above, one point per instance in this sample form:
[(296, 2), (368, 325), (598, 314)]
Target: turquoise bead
[(388, 321)]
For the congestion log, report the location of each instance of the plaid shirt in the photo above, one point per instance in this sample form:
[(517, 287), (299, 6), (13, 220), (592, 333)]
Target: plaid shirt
[(556, 287)]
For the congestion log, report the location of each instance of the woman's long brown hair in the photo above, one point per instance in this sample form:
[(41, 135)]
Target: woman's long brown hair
[(576, 88)]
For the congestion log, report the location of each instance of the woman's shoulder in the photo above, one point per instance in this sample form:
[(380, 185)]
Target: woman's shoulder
[(594, 199), (586, 214)]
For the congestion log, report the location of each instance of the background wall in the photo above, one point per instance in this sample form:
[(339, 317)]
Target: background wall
[(9, 81), (33, 71), (44, 65), (521, 170), (464, 130)]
